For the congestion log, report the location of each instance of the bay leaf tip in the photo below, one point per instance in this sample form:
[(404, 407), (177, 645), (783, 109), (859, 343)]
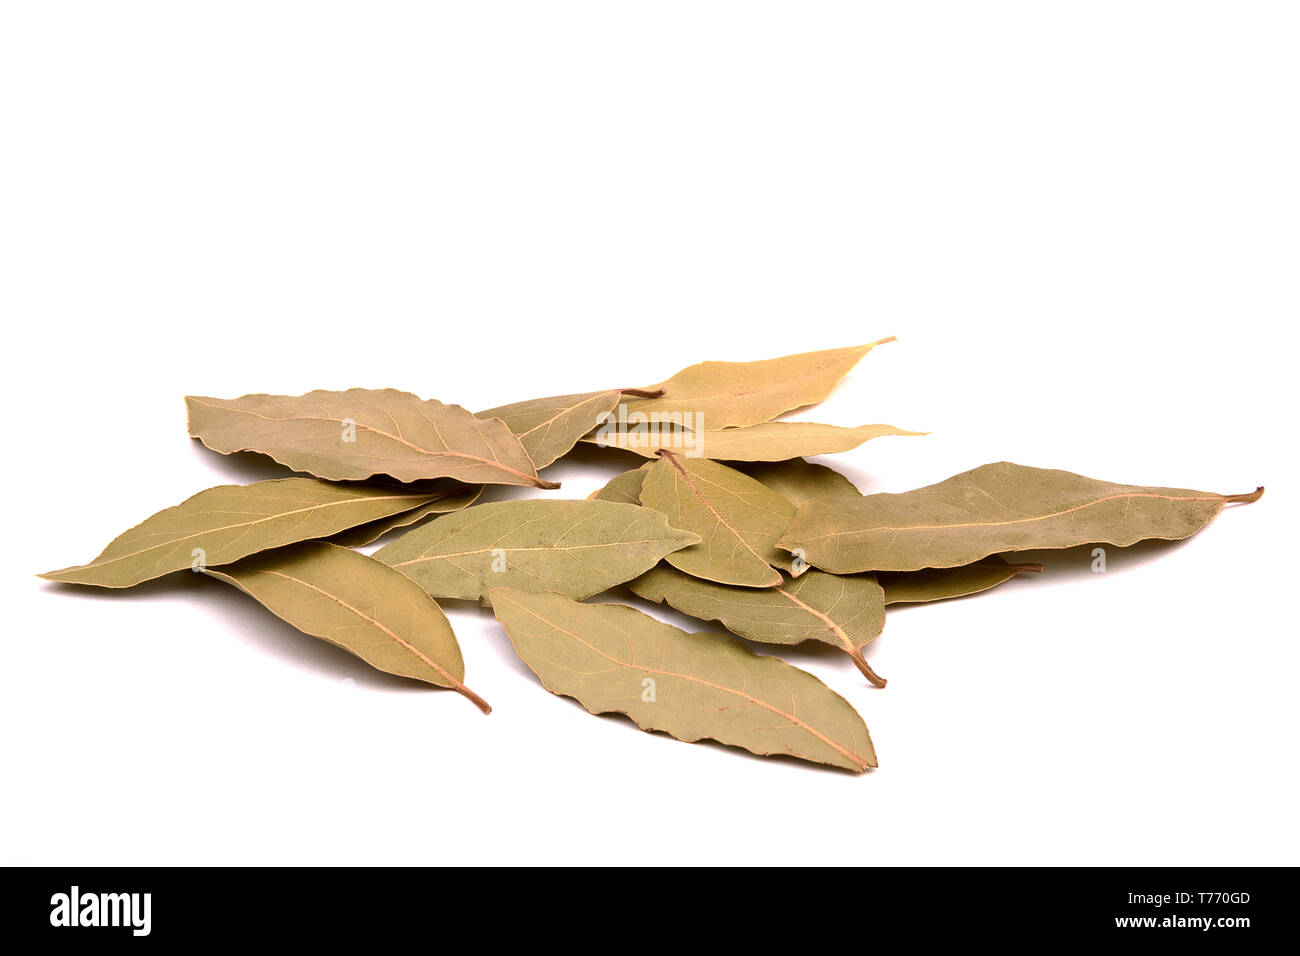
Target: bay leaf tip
[(69, 576)]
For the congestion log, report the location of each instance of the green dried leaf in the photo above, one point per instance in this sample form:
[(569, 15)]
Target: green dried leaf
[(550, 427), (624, 488), (578, 548), (844, 612), (737, 519), (940, 584), (365, 432), (993, 509), (614, 659), (800, 482), (229, 522), (770, 441), (359, 604), (445, 503), (747, 393)]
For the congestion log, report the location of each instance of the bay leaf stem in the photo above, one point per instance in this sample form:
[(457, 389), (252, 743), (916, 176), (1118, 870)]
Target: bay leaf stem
[(1246, 498), (867, 672)]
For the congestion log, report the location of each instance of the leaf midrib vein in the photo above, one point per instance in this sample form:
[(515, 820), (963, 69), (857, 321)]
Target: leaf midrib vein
[(411, 648), (427, 499), (492, 462), (508, 549), (672, 460), (995, 524), (699, 680)]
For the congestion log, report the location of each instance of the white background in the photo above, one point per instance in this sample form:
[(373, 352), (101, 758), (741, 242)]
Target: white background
[(1079, 219)]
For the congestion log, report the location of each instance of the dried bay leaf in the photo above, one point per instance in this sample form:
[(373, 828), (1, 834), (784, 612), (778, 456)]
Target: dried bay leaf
[(360, 433), (359, 604), (992, 509), (624, 488), (229, 522), (769, 441), (800, 481), (728, 394), (940, 584), (548, 428), (845, 612), (738, 520), (445, 503), (615, 659), (578, 548)]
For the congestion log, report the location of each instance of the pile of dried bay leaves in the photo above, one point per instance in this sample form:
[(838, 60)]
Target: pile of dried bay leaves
[(725, 522)]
